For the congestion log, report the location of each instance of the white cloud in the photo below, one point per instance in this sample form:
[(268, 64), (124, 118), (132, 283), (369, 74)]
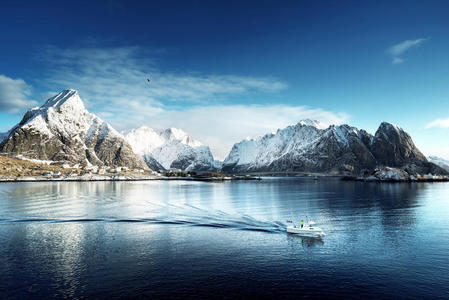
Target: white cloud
[(14, 95), (220, 126), (402, 47), (397, 50), (439, 123), (397, 60), (116, 76), (114, 83)]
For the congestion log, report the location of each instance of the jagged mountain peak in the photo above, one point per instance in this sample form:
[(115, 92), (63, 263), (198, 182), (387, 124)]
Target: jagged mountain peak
[(175, 134), (65, 97), (64, 130), (302, 127), (66, 102), (392, 146), (314, 123), (386, 126)]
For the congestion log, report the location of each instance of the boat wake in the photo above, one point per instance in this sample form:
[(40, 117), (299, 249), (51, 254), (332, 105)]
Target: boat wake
[(187, 215)]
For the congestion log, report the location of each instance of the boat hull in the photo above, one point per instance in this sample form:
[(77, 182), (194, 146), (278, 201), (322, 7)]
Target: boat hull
[(305, 230)]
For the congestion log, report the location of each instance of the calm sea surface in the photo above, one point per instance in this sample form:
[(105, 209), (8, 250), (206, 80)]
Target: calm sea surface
[(178, 239)]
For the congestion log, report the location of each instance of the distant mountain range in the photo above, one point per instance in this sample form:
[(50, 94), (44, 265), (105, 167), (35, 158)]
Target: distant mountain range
[(311, 147), (62, 130), (170, 149)]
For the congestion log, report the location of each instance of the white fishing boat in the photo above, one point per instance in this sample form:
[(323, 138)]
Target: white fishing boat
[(306, 229)]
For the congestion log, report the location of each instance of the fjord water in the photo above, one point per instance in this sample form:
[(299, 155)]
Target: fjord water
[(181, 238)]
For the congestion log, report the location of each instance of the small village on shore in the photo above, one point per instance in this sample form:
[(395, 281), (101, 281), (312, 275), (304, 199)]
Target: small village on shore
[(21, 169)]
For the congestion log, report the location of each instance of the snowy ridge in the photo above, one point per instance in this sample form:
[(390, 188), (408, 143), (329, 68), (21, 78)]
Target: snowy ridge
[(144, 140), (299, 139), (314, 123), (264, 150), (170, 148)]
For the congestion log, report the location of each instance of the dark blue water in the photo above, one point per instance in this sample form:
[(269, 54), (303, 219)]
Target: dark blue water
[(170, 239)]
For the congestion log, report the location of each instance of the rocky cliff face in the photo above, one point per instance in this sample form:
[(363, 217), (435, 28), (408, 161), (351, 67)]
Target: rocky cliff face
[(63, 130), (170, 149), (392, 146), (308, 147)]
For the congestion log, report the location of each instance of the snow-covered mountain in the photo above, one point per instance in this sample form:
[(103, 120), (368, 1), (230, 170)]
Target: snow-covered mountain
[(63, 130), (170, 149), (311, 147), (444, 163)]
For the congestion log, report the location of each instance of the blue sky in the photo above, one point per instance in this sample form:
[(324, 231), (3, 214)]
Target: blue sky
[(226, 70)]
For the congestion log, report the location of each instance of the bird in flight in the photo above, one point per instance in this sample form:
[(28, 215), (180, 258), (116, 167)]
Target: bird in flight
[(148, 79)]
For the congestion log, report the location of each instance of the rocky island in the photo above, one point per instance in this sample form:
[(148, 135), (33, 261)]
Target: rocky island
[(311, 147)]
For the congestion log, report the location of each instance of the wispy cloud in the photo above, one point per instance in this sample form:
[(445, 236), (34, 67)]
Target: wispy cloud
[(14, 95), (119, 76), (397, 60), (398, 50), (438, 123), (114, 81)]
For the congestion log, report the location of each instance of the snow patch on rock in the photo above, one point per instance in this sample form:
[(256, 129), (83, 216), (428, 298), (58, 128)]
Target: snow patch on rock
[(391, 174)]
